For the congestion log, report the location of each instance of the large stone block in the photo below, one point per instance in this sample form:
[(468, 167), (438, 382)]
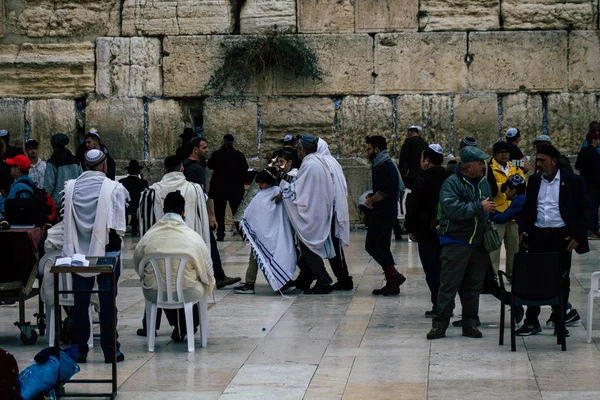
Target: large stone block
[(315, 16), (47, 117), (304, 116), (476, 115), (176, 17), (67, 18), (237, 118), (190, 61), (166, 121), (584, 60), (12, 117), (460, 15), (120, 123), (511, 61), (549, 14), (46, 70), (359, 117), (128, 67), (420, 62), (386, 15), (259, 16), (409, 111), (569, 115), (523, 111), (347, 64)]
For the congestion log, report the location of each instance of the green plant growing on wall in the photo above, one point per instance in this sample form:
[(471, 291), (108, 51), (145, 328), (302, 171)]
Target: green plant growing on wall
[(252, 56)]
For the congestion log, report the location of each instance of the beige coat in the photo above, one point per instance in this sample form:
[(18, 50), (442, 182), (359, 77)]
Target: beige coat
[(170, 235)]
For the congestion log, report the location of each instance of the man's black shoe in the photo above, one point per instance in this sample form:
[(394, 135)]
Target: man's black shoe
[(528, 330), (142, 332), (472, 333), (120, 357), (220, 238), (319, 290), (345, 284), (436, 333), (572, 318), (176, 337), (387, 291), (81, 359), (431, 313), (221, 283)]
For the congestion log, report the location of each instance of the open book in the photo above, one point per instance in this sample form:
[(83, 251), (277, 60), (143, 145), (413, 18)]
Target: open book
[(78, 260)]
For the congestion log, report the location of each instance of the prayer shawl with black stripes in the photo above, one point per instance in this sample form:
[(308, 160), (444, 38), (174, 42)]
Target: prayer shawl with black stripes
[(268, 228), (151, 204)]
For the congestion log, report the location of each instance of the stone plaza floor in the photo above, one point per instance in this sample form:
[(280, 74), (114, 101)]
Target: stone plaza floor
[(347, 345)]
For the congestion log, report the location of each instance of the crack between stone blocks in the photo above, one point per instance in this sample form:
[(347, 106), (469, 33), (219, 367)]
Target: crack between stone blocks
[(452, 132), (500, 99), (259, 126), (544, 113), (146, 137), (394, 114), (500, 18), (25, 121), (568, 61), (121, 5)]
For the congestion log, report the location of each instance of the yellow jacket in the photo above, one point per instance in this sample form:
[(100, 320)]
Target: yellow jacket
[(500, 199)]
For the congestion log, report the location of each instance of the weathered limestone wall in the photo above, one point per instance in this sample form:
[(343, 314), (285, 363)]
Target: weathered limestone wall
[(136, 70)]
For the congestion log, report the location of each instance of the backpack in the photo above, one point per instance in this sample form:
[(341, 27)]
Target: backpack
[(30, 207)]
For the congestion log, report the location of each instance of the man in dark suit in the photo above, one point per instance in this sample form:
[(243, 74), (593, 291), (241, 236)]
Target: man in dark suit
[(554, 221), (135, 185)]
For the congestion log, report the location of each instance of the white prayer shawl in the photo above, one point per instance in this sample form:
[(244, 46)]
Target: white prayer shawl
[(196, 215), (268, 229), (89, 214), (309, 203), (342, 216)]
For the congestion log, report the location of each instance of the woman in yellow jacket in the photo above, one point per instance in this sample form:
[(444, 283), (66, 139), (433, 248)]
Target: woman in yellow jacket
[(500, 169)]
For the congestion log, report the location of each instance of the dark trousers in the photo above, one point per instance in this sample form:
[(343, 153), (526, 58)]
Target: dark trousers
[(550, 241), (220, 206), (216, 258), (176, 319), (592, 214), (463, 269), (81, 319), (430, 251), (158, 318), (316, 265), (379, 240), (338, 266)]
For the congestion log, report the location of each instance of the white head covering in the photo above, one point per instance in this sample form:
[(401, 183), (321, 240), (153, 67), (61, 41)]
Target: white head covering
[(417, 127), (437, 148), (511, 132), (94, 157), (94, 132)]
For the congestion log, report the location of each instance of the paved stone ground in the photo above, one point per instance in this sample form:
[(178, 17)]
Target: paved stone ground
[(349, 345)]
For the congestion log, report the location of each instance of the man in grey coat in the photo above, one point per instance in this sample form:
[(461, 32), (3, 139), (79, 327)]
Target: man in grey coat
[(465, 203)]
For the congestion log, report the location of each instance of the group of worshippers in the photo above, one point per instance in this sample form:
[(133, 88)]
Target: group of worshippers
[(298, 217), (449, 208)]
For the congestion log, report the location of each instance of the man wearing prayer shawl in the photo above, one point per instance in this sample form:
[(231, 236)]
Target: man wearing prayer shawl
[(269, 231), (309, 203), (151, 208), (94, 223), (171, 235), (340, 227)]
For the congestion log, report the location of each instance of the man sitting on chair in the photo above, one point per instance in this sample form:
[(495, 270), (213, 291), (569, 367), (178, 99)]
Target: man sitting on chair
[(170, 235)]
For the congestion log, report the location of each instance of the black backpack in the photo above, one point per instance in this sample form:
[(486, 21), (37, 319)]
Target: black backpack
[(29, 207)]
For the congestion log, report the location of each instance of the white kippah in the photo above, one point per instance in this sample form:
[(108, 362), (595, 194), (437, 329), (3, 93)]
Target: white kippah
[(417, 127), (512, 132), (94, 157), (3, 132), (437, 148), (94, 132)]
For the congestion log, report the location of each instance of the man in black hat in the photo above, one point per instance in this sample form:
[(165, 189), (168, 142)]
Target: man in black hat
[(135, 185), (185, 150), (227, 183)]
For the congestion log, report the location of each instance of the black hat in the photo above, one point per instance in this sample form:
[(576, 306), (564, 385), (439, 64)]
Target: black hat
[(188, 134), (134, 167), (228, 139), (32, 143), (548, 150)]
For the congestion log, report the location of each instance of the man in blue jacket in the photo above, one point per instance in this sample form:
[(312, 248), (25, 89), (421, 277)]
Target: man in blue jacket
[(464, 203)]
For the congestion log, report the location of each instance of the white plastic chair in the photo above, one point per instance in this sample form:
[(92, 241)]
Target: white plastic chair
[(594, 292), (171, 303), (65, 283)]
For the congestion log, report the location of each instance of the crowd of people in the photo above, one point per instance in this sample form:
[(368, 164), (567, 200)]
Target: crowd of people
[(295, 215)]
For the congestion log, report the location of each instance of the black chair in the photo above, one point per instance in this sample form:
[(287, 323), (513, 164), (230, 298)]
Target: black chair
[(536, 281)]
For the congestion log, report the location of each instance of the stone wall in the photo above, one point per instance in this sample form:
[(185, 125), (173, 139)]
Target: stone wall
[(136, 71)]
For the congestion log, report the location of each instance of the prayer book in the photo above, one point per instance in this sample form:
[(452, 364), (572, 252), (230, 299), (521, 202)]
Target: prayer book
[(78, 260)]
